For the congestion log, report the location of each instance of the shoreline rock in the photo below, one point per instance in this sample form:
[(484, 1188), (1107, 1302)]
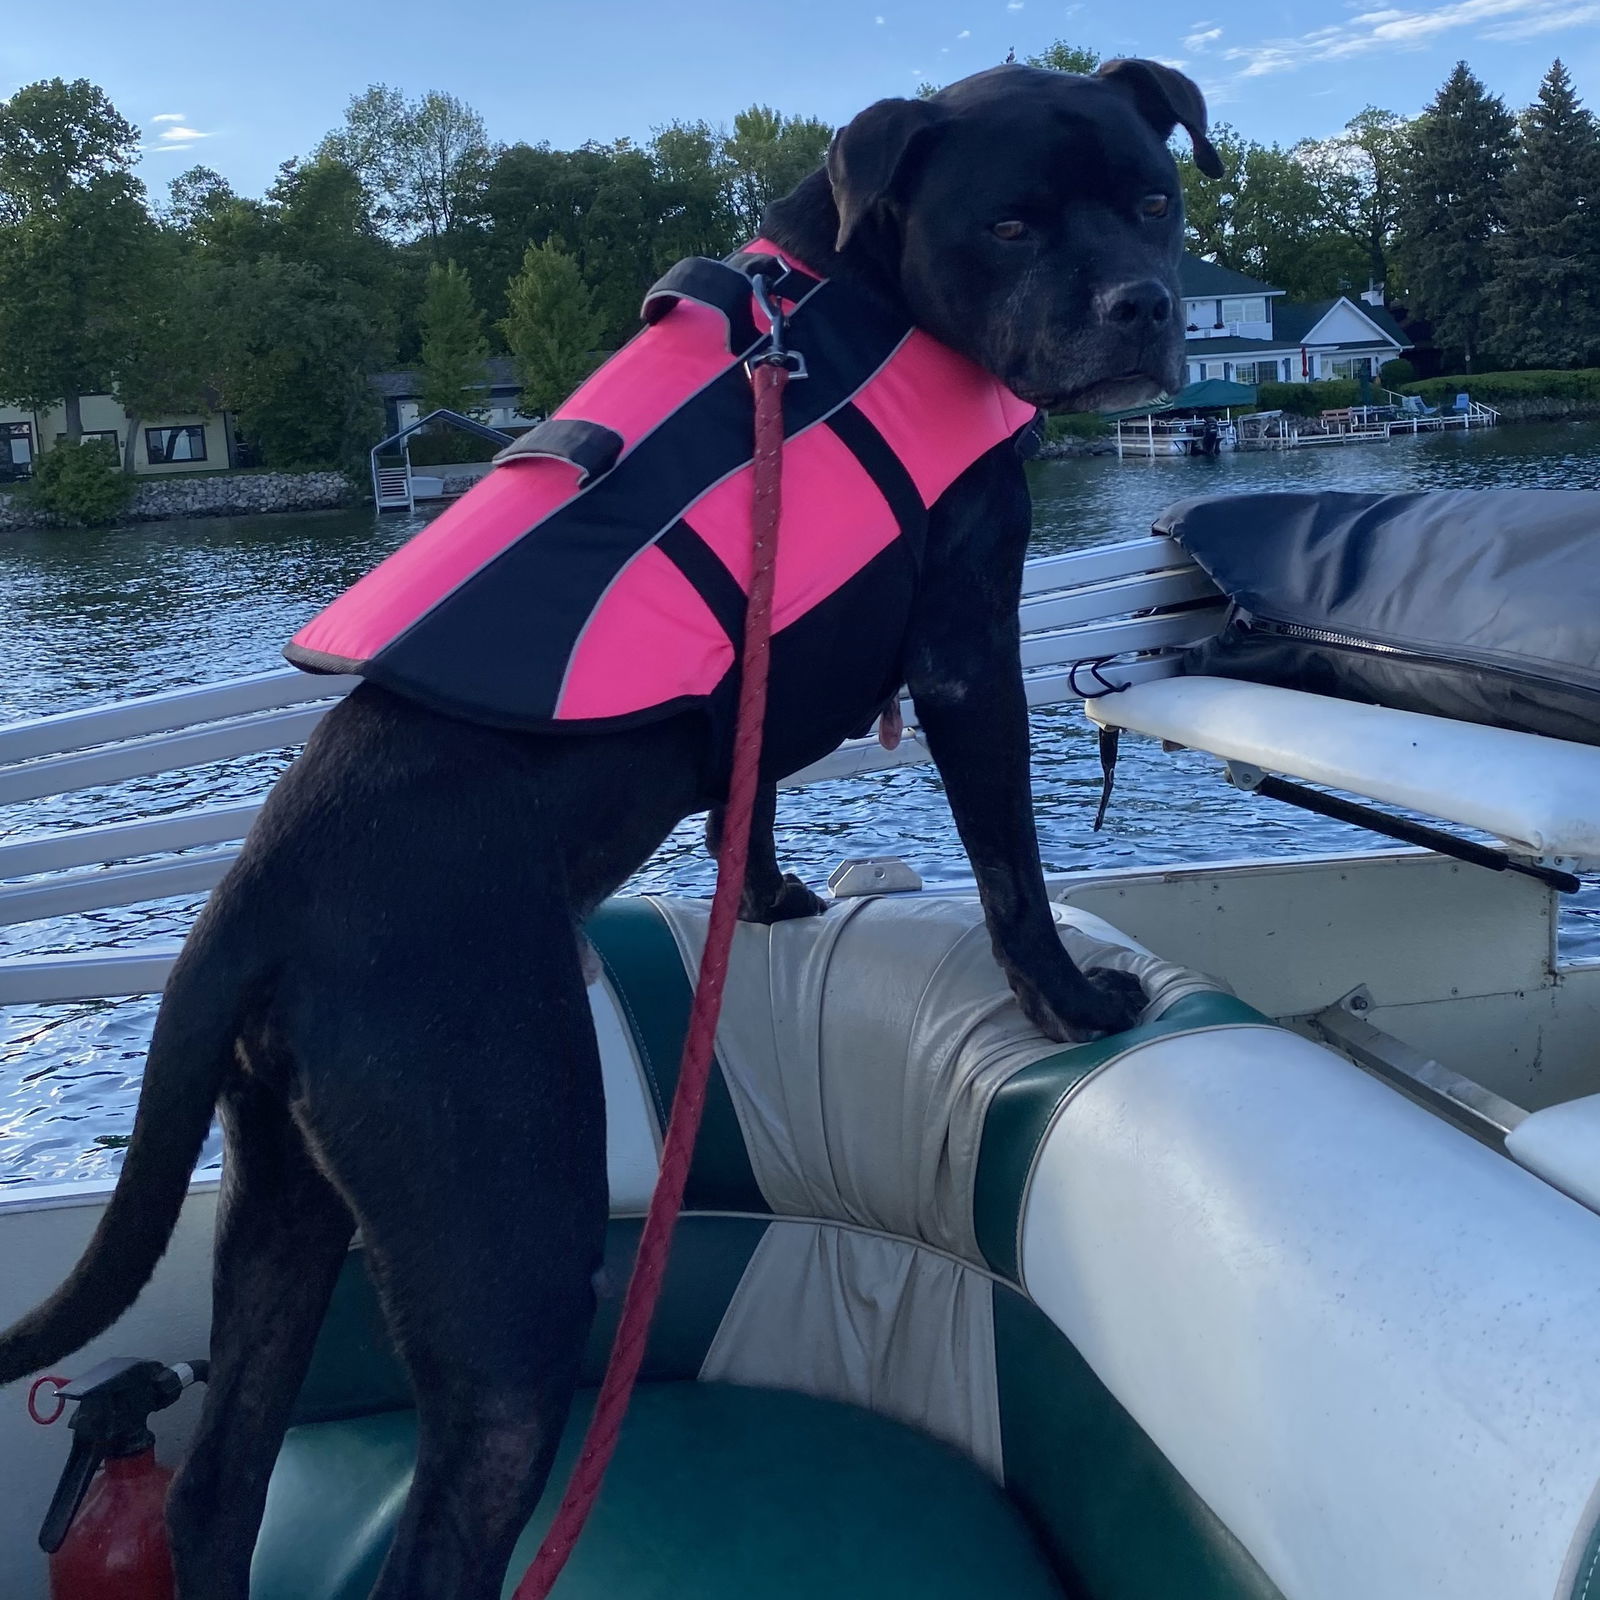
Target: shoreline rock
[(226, 495)]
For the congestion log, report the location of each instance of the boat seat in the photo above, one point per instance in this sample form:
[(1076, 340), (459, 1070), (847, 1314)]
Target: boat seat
[(1562, 1144), (1540, 795), (1203, 1302), (715, 1491)]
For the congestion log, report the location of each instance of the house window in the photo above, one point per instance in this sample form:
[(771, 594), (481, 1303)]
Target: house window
[(16, 444), (175, 444), (1349, 366), (1256, 372), (1254, 310), (89, 435)]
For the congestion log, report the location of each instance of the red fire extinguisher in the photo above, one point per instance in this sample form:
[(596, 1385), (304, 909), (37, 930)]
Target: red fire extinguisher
[(105, 1531)]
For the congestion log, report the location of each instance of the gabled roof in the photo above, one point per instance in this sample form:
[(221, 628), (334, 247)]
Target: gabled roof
[(1386, 324), (1293, 323), (406, 385), (1200, 278), (1204, 349)]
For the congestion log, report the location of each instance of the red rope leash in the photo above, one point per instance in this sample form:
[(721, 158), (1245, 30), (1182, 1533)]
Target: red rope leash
[(649, 1268)]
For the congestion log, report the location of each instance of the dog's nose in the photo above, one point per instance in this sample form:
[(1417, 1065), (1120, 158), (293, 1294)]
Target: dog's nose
[(1136, 305)]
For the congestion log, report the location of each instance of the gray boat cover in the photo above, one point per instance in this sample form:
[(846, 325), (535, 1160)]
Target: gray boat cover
[(1477, 604)]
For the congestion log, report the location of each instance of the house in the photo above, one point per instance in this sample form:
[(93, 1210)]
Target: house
[(192, 442), (1248, 332), (499, 406)]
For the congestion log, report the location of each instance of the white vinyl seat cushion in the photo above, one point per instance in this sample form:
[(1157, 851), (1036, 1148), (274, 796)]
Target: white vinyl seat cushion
[(1539, 795)]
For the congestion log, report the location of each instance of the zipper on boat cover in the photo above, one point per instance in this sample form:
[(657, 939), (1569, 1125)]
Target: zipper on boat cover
[(1349, 641)]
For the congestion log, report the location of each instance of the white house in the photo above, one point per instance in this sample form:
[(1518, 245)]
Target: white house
[(1249, 332)]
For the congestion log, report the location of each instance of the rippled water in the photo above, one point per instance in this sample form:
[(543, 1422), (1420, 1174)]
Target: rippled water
[(86, 617)]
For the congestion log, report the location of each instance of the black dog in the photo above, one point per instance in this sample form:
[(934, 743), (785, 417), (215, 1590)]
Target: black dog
[(385, 998)]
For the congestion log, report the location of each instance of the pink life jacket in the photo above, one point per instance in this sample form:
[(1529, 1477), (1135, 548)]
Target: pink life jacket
[(597, 577)]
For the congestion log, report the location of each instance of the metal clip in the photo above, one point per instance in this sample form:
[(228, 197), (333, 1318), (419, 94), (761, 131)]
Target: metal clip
[(775, 354)]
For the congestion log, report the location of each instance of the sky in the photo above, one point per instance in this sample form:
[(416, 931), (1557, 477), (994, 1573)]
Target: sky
[(242, 87)]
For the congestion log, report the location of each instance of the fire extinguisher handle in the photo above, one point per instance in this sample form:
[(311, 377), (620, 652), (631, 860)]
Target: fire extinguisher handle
[(82, 1464)]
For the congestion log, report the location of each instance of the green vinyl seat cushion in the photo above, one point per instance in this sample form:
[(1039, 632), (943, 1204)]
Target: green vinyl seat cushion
[(715, 1491)]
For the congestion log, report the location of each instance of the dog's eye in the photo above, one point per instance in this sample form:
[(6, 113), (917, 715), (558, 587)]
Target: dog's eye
[(1155, 205), (1009, 230)]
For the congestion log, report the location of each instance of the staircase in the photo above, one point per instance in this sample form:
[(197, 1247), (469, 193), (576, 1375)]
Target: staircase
[(391, 488)]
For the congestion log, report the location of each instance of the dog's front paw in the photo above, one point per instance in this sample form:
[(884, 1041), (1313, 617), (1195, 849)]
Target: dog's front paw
[(793, 899), (1094, 1004)]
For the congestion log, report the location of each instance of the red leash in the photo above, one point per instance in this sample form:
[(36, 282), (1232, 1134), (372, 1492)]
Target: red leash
[(644, 1287)]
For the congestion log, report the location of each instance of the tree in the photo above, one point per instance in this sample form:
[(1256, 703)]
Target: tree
[(57, 139), (695, 215), (551, 327), (167, 344), (423, 163), (74, 231), (1358, 176), (317, 213), (204, 210), (290, 357), (1281, 232), (453, 346), (768, 154), (1064, 57), (1545, 302), (1453, 205), (1209, 203)]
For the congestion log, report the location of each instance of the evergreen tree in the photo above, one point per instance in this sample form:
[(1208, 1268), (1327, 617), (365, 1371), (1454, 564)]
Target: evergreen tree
[(552, 328), (453, 346), (1454, 206), (1546, 301)]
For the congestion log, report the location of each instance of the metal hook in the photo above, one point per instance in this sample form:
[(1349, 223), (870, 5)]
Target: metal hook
[(772, 310)]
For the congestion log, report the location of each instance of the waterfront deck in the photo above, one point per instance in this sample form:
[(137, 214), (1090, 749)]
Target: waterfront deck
[(1280, 430)]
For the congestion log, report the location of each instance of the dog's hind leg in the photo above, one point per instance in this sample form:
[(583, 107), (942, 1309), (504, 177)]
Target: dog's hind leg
[(479, 1183), (282, 1233)]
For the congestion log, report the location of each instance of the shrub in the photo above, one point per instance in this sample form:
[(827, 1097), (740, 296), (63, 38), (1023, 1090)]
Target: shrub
[(1076, 425), (86, 484), (1397, 374), (1309, 399), (1581, 384)]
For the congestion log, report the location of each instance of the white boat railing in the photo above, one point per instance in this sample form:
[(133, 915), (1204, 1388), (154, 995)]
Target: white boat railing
[(1089, 619)]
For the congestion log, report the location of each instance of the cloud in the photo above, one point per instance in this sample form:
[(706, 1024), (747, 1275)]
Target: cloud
[(966, 33), (1202, 37), (1014, 5), (1396, 28), (176, 136), (1550, 22), (879, 21), (1177, 63), (168, 116)]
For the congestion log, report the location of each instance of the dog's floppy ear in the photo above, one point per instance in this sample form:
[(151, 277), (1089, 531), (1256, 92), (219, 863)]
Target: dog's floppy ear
[(1168, 100), (869, 152)]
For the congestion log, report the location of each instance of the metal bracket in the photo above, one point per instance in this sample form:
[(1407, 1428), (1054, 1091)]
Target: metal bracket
[(1480, 1110), (864, 875), (1242, 775)]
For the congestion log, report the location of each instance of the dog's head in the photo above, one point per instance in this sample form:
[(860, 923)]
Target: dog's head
[(1033, 221)]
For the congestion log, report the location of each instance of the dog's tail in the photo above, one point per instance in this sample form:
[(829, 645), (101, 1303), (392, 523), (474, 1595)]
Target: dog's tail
[(190, 1054)]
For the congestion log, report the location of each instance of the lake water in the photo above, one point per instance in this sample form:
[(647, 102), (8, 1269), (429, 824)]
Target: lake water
[(88, 617)]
